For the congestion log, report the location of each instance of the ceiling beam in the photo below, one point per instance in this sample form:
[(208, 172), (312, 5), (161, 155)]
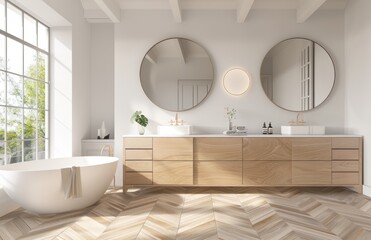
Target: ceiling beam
[(180, 50), (243, 10), (176, 10), (150, 58), (306, 8), (110, 8)]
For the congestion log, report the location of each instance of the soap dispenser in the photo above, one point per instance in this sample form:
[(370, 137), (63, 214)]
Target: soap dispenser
[(270, 128), (264, 129)]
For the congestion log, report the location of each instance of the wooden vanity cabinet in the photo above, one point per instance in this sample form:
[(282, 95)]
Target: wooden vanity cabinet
[(248, 161), (218, 161)]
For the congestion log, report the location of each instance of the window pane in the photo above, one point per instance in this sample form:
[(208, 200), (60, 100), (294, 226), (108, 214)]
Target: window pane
[(14, 124), (29, 150), (2, 123), (43, 37), (43, 73), (14, 21), (30, 93), (29, 29), (14, 90), (41, 149), (42, 93), (15, 56), (14, 151), (30, 68), (2, 88), (42, 122), (2, 52), (2, 15), (2, 153), (29, 130)]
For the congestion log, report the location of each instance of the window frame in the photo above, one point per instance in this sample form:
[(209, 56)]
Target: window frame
[(47, 81)]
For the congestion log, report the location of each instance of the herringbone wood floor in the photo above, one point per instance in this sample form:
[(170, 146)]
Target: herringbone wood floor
[(205, 213)]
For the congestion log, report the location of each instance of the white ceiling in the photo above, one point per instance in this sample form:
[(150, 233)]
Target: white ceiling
[(109, 10)]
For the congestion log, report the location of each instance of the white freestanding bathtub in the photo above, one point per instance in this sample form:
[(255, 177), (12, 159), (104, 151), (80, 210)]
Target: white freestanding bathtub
[(37, 185)]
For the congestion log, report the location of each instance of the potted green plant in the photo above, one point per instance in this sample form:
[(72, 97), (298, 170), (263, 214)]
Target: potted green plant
[(141, 120)]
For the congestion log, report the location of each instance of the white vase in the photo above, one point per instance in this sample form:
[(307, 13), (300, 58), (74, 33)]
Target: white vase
[(230, 125), (141, 129)]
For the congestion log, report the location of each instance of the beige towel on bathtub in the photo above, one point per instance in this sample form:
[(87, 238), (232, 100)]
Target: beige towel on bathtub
[(71, 182)]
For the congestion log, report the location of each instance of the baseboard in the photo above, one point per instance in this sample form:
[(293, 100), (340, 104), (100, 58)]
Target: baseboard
[(367, 190), (6, 204)]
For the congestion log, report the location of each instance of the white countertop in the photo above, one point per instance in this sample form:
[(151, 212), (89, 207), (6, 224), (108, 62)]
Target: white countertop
[(238, 136), (98, 140)]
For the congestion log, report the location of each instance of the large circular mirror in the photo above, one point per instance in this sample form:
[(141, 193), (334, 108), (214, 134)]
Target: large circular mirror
[(297, 74), (176, 74)]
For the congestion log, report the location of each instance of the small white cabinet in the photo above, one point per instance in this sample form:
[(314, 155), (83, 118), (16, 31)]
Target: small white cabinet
[(92, 147)]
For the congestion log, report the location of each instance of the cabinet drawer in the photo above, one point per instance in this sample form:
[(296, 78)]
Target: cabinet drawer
[(345, 142), (267, 172), (345, 166), (173, 149), (267, 149), (138, 178), (218, 149), (311, 149), (340, 154), (138, 154), (218, 173), (311, 172), (173, 172), (138, 166), (138, 142), (345, 178)]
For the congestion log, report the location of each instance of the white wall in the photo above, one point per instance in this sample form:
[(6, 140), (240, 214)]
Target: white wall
[(102, 85), (229, 45), (358, 75)]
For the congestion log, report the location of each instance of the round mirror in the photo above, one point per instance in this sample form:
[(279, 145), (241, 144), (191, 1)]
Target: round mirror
[(176, 74), (297, 74)]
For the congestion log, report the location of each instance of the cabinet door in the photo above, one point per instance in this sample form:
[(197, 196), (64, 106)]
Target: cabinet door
[(218, 173), (267, 149), (270, 173), (218, 149), (311, 172), (173, 172), (173, 149), (311, 149)]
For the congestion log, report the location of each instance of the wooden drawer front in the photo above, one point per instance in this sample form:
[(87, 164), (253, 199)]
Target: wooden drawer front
[(218, 148), (311, 172), (340, 154), (267, 149), (267, 172), (173, 149), (138, 142), (173, 172), (311, 149), (347, 142), (219, 173), (138, 178), (345, 166), (138, 154), (345, 178), (138, 166)]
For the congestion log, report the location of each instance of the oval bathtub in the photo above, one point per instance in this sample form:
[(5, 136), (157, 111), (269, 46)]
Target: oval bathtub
[(37, 185)]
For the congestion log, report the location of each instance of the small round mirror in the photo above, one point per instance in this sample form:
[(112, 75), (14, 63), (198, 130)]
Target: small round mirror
[(297, 74), (176, 74)]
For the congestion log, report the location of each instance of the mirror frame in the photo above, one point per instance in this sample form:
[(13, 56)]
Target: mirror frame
[(333, 65), (211, 62)]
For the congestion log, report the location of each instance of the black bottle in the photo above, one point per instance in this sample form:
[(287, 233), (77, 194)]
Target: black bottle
[(270, 128), (264, 129)]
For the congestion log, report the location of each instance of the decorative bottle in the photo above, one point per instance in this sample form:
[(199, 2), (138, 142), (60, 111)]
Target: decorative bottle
[(270, 128), (264, 129)]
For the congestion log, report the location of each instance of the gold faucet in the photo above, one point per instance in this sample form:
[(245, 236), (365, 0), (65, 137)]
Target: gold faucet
[(299, 121), (110, 154), (177, 121)]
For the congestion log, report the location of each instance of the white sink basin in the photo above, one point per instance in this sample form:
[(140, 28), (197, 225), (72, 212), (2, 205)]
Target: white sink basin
[(174, 130), (303, 130)]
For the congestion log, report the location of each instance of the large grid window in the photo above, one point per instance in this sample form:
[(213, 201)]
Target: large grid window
[(24, 85)]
